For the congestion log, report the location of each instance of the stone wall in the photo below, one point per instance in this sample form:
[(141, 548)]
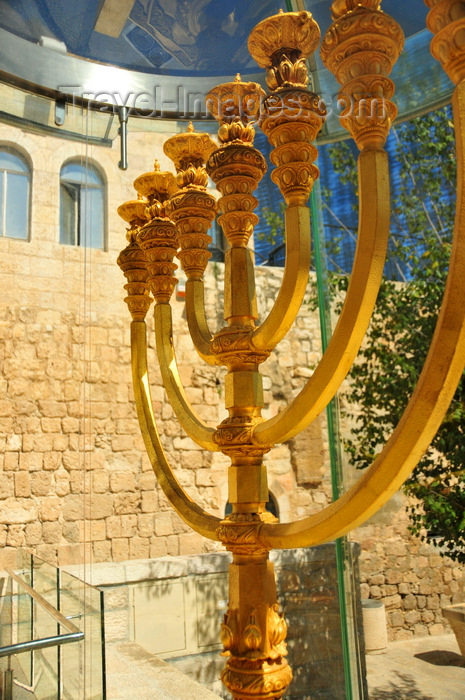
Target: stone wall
[(411, 578), (75, 483)]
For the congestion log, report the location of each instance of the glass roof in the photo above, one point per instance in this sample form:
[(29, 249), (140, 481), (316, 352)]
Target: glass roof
[(106, 45), (188, 37)]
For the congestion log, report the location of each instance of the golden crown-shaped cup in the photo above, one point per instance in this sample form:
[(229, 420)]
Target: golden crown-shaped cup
[(295, 31), (156, 185)]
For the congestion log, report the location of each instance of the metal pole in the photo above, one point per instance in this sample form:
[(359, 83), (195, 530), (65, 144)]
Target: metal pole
[(336, 485), (8, 683), (123, 114)]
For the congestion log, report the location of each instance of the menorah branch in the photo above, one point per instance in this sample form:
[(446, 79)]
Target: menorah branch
[(198, 519), (358, 306), (197, 322), (190, 422), (295, 280), (359, 48)]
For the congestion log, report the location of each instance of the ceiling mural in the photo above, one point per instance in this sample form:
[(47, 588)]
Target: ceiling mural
[(204, 35), (176, 37)]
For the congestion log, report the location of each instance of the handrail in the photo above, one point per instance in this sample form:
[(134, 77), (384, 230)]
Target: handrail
[(74, 634)]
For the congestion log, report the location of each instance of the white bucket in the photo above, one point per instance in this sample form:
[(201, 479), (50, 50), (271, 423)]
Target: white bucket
[(374, 626)]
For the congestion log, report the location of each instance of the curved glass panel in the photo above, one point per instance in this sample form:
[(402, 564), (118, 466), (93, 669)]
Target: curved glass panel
[(131, 59), (204, 37)]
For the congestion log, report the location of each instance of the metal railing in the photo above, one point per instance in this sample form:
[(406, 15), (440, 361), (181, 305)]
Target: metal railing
[(74, 635), (37, 606)]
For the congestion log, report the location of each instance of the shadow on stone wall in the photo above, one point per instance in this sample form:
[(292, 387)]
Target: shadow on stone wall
[(308, 593)]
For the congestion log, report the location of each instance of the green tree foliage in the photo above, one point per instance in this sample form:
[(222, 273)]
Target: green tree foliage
[(274, 222), (382, 380)]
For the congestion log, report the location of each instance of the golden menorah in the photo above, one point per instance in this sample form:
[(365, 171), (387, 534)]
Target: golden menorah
[(172, 217)]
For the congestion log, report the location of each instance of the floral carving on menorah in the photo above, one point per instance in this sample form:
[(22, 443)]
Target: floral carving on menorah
[(171, 218)]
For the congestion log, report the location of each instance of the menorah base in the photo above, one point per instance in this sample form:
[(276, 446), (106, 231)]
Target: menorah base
[(256, 680)]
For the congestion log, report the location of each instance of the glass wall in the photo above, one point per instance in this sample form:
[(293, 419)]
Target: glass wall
[(52, 632)]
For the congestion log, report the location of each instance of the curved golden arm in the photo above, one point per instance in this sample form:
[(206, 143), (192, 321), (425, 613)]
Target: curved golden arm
[(295, 280), (196, 320), (193, 426), (198, 519), (425, 411), (356, 313)]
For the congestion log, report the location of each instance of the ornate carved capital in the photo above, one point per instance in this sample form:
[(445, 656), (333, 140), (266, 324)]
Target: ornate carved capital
[(237, 169), (291, 120), (363, 42), (342, 7), (159, 241), (194, 257), (234, 105), (238, 226), (368, 119), (295, 180), (233, 160), (192, 208), (281, 44), (293, 108), (236, 132), (157, 187), (447, 21), (193, 211), (233, 345), (189, 151), (234, 436), (360, 49), (134, 213), (133, 263)]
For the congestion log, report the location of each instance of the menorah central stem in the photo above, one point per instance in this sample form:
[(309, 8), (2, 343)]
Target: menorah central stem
[(253, 631)]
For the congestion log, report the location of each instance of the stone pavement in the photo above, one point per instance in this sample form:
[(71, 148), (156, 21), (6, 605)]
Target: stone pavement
[(424, 668), (134, 674)]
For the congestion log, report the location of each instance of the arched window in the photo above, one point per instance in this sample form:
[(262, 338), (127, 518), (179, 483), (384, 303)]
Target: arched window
[(82, 206), (15, 187)]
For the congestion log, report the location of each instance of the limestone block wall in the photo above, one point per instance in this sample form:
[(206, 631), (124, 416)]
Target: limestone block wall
[(75, 483), (411, 578)]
